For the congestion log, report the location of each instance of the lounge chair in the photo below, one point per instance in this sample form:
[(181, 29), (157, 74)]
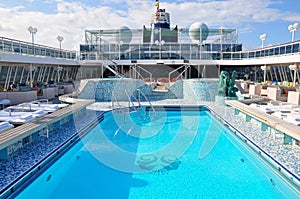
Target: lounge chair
[(245, 86), (279, 114), (264, 90), (293, 118), (4, 102), (254, 89), (263, 108), (293, 97), (23, 119), (50, 108), (5, 126), (274, 93), (16, 117)]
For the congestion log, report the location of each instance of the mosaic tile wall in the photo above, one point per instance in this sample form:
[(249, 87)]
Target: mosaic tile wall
[(200, 89), (101, 90), (89, 91), (24, 155)]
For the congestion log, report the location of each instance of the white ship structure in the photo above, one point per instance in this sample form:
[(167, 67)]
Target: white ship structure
[(156, 51)]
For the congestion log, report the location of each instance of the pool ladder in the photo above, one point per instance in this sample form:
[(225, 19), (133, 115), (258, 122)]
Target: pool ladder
[(139, 93), (119, 109)]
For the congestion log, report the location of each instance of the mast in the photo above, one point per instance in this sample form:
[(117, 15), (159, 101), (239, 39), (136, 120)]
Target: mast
[(154, 19), (157, 10)]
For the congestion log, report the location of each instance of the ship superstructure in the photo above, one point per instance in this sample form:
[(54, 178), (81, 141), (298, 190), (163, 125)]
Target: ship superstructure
[(209, 50), (160, 41), (160, 19)]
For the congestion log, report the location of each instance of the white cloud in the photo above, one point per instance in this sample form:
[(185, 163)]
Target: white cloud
[(72, 18), (231, 12)]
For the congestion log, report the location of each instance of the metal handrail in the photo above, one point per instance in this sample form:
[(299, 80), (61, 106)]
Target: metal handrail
[(150, 74), (186, 67), (131, 102), (183, 72), (133, 97), (139, 74), (112, 101), (146, 98), (110, 68)]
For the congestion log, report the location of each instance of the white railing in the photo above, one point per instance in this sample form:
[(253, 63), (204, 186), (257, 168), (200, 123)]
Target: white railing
[(186, 67), (27, 48), (146, 71)]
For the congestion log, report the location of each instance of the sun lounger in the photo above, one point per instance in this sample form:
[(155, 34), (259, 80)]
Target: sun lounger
[(50, 108), (293, 118), (263, 108), (62, 105), (7, 113), (254, 89), (293, 97), (4, 102), (23, 119), (279, 114), (5, 126), (275, 94), (16, 117), (39, 113)]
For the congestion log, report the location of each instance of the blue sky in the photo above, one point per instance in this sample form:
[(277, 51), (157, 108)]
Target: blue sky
[(69, 18)]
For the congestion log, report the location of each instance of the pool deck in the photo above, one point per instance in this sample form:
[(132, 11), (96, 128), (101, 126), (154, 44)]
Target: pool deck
[(272, 121), (18, 133)]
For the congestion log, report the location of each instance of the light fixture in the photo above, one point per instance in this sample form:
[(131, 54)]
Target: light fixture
[(32, 31), (292, 29), (263, 38), (294, 67), (265, 68), (60, 39)]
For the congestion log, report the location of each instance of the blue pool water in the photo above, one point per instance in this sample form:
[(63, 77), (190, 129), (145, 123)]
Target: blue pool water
[(179, 154)]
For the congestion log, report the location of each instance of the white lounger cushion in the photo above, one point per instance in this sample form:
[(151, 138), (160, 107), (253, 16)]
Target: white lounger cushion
[(5, 126)]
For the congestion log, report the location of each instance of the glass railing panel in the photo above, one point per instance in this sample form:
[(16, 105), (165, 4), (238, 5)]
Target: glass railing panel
[(251, 54), (257, 54), (271, 51), (277, 51), (295, 48), (226, 56), (175, 47), (236, 56), (7, 46), (282, 50), (16, 47), (288, 49)]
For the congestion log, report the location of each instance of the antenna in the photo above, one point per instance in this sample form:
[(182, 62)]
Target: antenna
[(157, 13)]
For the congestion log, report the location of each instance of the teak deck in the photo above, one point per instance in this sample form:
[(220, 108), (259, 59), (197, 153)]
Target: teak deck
[(274, 122)]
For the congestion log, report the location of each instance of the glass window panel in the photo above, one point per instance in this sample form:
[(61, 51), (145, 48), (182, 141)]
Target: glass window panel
[(288, 49), (295, 48), (282, 50)]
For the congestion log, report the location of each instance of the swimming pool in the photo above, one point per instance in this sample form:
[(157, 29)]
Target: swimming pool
[(180, 153)]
